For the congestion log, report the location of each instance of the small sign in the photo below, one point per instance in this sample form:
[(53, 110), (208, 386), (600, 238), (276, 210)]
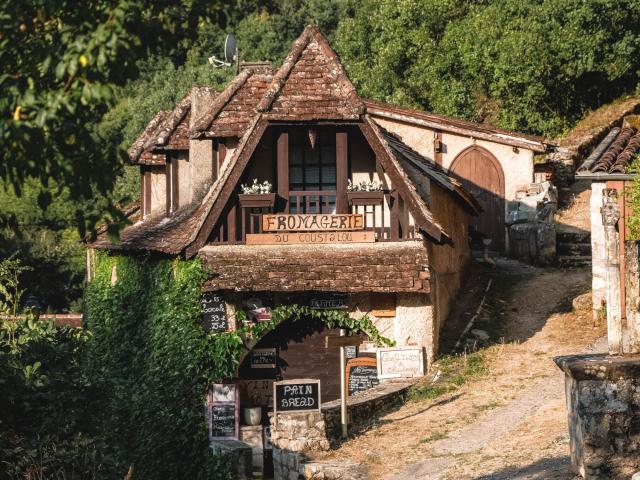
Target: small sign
[(266, 438), (330, 301), (362, 374), (263, 358), (301, 395), (213, 313), (304, 238), (400, 362), (223, 408), (340, 341), (312, 222), (351, 351), (383, 305)]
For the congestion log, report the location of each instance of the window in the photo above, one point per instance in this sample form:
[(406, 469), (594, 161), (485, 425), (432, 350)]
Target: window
[(312, 169)]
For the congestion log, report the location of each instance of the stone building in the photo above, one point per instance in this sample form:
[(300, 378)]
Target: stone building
[(363, 206)]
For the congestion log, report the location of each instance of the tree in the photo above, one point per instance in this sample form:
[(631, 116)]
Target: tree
[(61, 62)]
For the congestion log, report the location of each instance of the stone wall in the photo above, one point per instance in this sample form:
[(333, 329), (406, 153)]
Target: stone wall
[(294, 436), (603, 401), (533, 243)]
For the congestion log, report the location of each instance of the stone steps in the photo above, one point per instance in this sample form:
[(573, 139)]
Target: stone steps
[(573, 248), (574, 261)]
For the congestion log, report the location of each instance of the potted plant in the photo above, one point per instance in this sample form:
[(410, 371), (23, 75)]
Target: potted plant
[(365, 193), (257, 195), (252, 415)]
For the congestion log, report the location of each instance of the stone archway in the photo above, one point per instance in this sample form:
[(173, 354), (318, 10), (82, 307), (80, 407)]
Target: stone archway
[(481, 174)]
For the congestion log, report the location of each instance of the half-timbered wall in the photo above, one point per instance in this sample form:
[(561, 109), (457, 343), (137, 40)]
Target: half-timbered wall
[(448, 262)]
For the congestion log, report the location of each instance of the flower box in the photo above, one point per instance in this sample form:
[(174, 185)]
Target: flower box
[(257, 200), (374, 197)]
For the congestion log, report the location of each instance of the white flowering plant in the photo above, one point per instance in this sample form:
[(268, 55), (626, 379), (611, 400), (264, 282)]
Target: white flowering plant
[(256, 188), (364, 186)]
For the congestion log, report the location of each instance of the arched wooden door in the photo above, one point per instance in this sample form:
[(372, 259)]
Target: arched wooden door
[(482, 175)]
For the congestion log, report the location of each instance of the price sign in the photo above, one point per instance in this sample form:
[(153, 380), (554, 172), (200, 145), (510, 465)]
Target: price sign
[(213, 313), (362, 374)]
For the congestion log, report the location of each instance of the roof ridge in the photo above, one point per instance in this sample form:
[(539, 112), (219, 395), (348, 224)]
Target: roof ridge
[(205, 120), (137, 147), (280, 77), (170, 123)]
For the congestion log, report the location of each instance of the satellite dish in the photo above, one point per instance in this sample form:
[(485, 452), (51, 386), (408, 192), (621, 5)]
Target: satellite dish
[(230, 48)]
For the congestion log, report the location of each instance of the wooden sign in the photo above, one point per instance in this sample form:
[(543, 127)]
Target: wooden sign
[(383, 304), (223, 412), (301, 395), (213, 313), (362, 374), (340, 341), (303, 238), (400, 362), (329, 301), (263, 358), (311, 222)]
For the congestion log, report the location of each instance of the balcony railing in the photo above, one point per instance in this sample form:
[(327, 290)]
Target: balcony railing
[(383, 212)]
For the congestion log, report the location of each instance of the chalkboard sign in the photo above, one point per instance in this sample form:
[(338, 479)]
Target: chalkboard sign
[(213, 313), (297, 395), (223, 421), (223, 412), (362, 374), (263, 358)]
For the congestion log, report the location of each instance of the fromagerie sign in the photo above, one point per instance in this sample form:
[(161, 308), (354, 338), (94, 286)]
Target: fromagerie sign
[(311, 222), (300, 395)]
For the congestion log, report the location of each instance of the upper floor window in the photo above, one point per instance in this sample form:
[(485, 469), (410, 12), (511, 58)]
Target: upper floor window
[(312, 168)]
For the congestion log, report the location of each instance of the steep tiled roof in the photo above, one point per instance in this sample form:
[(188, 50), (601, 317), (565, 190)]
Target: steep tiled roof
[(168, 130), (232, 111), (616, 151)]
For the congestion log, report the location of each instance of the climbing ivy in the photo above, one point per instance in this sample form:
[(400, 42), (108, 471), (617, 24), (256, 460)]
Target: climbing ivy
[(152, 362)]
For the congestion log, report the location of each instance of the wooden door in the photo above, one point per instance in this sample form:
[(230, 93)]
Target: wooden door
[(482, 176)]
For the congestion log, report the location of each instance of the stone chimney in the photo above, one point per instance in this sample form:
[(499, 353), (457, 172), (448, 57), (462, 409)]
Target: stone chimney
[(201, 152)]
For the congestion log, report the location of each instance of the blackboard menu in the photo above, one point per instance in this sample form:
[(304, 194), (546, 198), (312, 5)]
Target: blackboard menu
[(223, 421), (223, 412), (297, 395), (213, 313), (263, 358), (362, 374)]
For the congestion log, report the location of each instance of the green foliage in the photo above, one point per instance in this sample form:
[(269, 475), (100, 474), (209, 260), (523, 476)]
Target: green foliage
[(47, 241), (632, 195), (152, 362), (46, 415), (534, 65), (10, 290), (61, 61)]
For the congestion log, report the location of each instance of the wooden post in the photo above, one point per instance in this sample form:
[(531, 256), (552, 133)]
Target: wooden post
[(342, 172), (610, 216), (343, 389), (282, 160)]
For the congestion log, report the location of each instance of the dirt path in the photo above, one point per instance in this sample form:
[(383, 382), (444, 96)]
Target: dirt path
[(510, 422)]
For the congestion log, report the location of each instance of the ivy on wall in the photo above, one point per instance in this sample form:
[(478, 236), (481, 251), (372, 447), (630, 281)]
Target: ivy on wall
[(152, 361)]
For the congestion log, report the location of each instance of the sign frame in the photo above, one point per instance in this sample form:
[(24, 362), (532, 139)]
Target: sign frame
[(381, 351), (294, 382), (264, 365), (235, 404), (360, 362)]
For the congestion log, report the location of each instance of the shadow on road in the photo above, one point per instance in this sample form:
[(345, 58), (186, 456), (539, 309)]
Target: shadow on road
[(551, 468)]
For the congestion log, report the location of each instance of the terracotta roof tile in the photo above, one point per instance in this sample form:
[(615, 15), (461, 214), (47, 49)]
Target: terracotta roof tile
[(615, 153)]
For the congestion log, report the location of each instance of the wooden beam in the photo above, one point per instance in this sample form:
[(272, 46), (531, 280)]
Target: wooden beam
[(147, 192), (342, 172), (282, 161), (437, 147), (336, 341)]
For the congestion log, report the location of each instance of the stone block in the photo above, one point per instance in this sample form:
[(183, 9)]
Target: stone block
[(604, 414)]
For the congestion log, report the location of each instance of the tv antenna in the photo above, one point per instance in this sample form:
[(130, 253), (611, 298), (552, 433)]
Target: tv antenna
[(230, 54)]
